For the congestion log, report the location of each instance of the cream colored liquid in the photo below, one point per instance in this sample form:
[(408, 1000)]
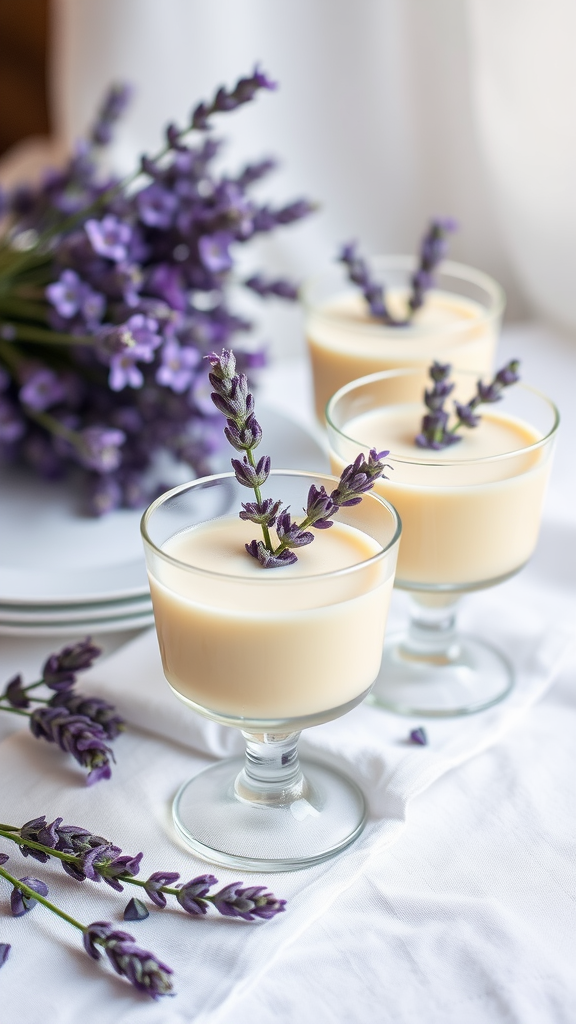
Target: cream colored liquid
[(271, 643), (464, 523), (345, 344)]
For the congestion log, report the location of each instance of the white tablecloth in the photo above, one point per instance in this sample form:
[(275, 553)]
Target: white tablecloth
[(456, 906)]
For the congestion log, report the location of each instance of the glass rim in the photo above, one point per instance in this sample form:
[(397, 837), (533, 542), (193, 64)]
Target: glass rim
[(371, 378), (463, 271), (266, 580)]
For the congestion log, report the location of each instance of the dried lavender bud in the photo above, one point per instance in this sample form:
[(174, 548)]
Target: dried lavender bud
[(135, 910), (76, 735), (251, 476), (280, 288), (20, 902), (15, 693), (290, 534), (59, 671), (261, 512), (267, 558), (155, 883), (359, 478), (435, 432), (142, 969), (5, 948), (253, 902), (433, 249), (101, 712), (419, 736), (190, 895), (359, 273)]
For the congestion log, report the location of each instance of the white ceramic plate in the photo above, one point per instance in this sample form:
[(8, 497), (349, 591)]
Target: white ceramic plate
[(70, 630), (43, 615), (52, 556)]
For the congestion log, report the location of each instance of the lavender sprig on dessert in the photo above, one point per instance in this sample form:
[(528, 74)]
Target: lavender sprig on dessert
[(80, 725), (433, 249), (435, 431), (232, 398)]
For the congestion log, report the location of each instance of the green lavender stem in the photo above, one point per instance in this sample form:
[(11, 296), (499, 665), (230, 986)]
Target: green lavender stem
[(41, 899)]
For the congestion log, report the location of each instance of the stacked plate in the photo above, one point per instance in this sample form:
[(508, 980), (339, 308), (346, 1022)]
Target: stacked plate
[(63, 574)]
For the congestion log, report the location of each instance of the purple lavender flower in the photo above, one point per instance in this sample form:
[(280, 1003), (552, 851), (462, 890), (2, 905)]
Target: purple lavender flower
[(15, 693), (253, 902), (109, 237), (214, 251), (156, 206), (359, 478), (281, 288), (155, 883), (433, 249), (99, 711), (359, 273), (5, 948), (42, 389), (142, 969), (290, 534), (178, 365), (76, 735), (244, 91), (21, 903), (59, 671), (135, 910), (99, 448), (267, 559), (251, 476), (263, 513), (67, 294), (435, 432), (190, 895), (139, 347), (111, 110)]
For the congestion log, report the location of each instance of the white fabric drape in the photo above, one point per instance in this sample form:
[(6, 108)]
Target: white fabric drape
[(388, 111)]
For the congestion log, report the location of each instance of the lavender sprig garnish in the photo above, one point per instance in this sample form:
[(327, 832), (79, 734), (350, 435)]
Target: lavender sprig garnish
[(140, 967), (435, 431), (433, 249), (232, 398), (87, 856), (80, 725)]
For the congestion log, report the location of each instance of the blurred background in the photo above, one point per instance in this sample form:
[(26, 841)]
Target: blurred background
[(387, 112)]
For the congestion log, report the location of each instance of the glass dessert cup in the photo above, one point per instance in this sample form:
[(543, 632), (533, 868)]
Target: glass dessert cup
[(269, 652), (470, 520), (459, 323)]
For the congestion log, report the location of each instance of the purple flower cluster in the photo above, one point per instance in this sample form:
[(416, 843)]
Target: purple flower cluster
[(233, 399), (127, 290), (79, 725), (433, 249), (87, 856), (141, 968), (435, 432)]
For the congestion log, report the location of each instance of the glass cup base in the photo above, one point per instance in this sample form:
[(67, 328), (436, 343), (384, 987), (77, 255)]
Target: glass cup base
[(222, 828), (471, 676)]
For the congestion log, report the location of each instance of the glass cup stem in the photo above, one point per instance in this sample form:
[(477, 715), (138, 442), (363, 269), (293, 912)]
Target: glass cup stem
[(271, 775), (431, 636)]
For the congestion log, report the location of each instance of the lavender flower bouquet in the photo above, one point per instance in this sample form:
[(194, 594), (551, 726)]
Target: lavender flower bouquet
[(111, 292)]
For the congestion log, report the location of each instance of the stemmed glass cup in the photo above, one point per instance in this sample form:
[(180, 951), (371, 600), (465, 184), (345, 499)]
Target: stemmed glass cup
[(269, 652), (469, 521), (459, 323)]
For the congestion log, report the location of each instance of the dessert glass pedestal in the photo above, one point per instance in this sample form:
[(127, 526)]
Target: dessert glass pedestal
[(269, 652), (470, 519), (459, 323)]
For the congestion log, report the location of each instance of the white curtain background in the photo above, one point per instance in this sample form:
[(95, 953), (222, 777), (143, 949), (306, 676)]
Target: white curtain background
[(388, 111)]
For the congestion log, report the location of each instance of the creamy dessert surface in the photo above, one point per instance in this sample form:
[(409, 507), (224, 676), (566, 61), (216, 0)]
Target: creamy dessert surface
[(271, 643)]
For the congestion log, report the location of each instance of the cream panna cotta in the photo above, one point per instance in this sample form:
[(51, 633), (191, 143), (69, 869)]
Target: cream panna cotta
[(459, 322)]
